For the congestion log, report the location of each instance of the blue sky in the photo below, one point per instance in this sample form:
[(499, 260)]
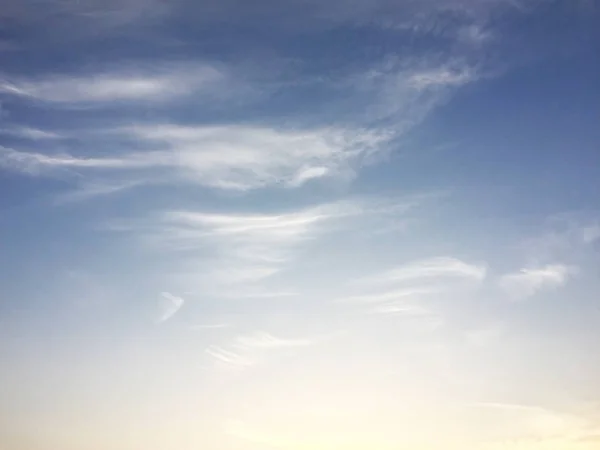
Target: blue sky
[(299, 225)]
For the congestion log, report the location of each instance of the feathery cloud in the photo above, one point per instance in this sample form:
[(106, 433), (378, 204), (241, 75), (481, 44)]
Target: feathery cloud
[(168, 306), (440, 268), (262, 340), (408, 289), (237, 250), (248, 349), (209, 326), (228, 357), (528, 281), (230, 157), (247, 157), (29, 133), (390, 295), (35, 163), (441, 77), (120, 85)]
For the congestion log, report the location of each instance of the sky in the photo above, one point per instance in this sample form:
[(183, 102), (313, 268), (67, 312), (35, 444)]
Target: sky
[(299, 225)]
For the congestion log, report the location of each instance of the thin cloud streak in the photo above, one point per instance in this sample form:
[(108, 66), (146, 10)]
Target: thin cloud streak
[(248, 349), (209, 326), (34, 134), (441, 268), (121, 85), (408, 289), (266, 341), (228, 357), (231, 157), (243, 158), (37, 163), (169, 305), (390, 295), (441, 77), (244, 249), (528, 281)]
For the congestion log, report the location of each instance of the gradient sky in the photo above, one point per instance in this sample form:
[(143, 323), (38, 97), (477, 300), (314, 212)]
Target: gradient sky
[(299, 225)]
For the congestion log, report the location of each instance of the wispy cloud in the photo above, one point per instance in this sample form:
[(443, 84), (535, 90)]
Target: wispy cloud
[(82, 19), (403, 308), (228, 157), (228, 357), (136, 84), (410, 289), (529, 281), (442, 77), (35, 163), (210, 326), (248, 349), (405, 301), (247, 157), (29, 133), (90, 190), (390, 295), (262, 238), (263, 340), (252, 255), (439, 268), (168, 306), (237, 250)]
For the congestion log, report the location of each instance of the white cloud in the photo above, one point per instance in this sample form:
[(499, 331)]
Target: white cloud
[(228, 157), (243, 249), (121, 85), (266, 341), (403, 308), (33, 163), (408, 289), (248, 349), (90, 190), (439, 268), (309, 173), (391, 295), (245, 157), (408, 89), (30, 133), (262, 238), (209, 326), (168, 306), (228, 357), (528, 281), (441, 77)]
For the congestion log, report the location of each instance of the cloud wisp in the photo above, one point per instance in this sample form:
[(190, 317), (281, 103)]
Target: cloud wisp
[(247, 349), (228, 157), (123, 85), (529, 281), (168, 306), (228, 357), (408, 290), (234, 252), (443, 268)]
